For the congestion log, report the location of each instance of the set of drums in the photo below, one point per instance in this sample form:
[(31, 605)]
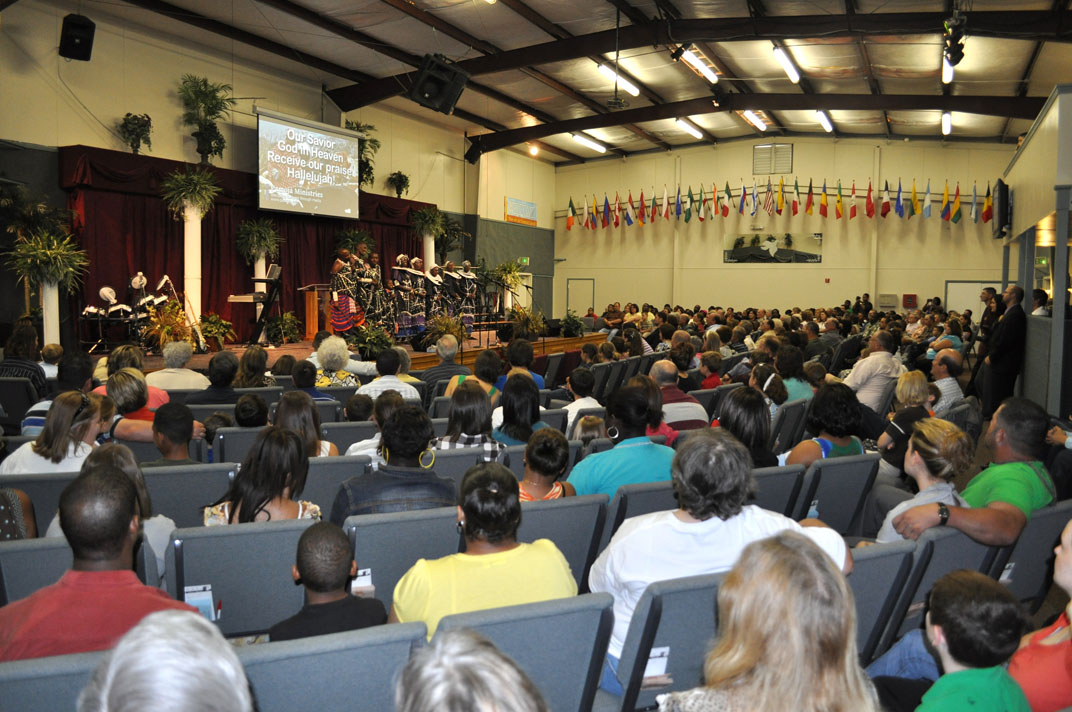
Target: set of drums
[(123, 312)]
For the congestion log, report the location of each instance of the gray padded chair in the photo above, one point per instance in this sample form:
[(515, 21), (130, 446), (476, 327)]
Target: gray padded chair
[(574, 524), (634, 500), (346, 434), (556, 418), (232, 444), (182, 492), (572, 635), (326, 475), (601, 372), (339, 393), (330, 411), (46, 684), (178, 395), (285, 382), (352, 670), (838, 487), (270, 394), (550, 372), (440, 407), (204, 410), (439, 426), (27, 565), (17, 396), (715, 404), (678, 614), (1026, 567), (44, 491), (777, 488), (247, 566), (389, 544), (877, 579), (147, 452), (514, 458), (787, 422), (583, 412), (455, 463), (704, 396)]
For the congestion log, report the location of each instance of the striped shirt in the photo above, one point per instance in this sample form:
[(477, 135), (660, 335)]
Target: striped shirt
[(493, 449)]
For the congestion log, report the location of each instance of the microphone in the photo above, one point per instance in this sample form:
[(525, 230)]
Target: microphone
[(163, 280)]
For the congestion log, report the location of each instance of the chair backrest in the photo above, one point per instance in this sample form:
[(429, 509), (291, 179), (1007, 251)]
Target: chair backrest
[(556, 418), (715, 405), (455, 463), (178, 395), (632, 367), (346, 434), (232, 444), (577, 630), (422, 391), (550, 374), (270, 394), (600, 445), (778, 488), (285, 382), (729, 363), (514, 458), (44, 491), (47, 684), (601, 373), (634, 500), (704, 396), (675, 620), (576, 448), (352, 670), (387, 545), (614, 380), (837, 487), (246, 566), (886, 404), (440, 388), (645, 363), (182, 492), (339, 393), (877, 579), (329, 411), (147, 452), (574, 524), (326, 475), (27, 565), (440, 407), (204, 410), (17, 396), (598, 412), (787, 421), (1026, 567), (439, 426)]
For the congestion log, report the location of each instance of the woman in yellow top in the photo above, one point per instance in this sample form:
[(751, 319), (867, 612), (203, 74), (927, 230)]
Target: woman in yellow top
[(495, 570)]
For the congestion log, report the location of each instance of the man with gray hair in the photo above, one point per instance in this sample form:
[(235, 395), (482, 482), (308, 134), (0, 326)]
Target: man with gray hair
[(680, 410), (447, 350), (947, 367), (176, 376)]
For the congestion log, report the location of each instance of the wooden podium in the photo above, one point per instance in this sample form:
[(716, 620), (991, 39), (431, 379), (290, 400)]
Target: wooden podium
[(317, 303)]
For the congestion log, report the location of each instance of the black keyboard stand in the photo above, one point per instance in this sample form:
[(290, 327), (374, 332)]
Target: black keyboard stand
[(274, 286)]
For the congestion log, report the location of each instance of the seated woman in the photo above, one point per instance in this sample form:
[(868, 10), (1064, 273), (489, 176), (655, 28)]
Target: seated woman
[(765, 380), (681, 356), (495, 570), (936, 453), (912, 395), (406, 480), (128, 356), (486, 370), (128, 390), (298, 413), (656, 424), (252, 369), (521, 411), (745, 415), (804, 658), (834, 415), (790, 364), (469, 423), (333, 355), (546, 458), (382, 408), (271, 476), (70, 432)]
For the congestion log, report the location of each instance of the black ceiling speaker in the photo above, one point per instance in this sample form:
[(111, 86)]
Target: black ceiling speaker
[(438, 84), (76, 37)]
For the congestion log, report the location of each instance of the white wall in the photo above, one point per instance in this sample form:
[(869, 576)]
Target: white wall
[(679, 263)]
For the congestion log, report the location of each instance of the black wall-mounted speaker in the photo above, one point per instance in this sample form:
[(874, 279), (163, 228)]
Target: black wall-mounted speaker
[(1002, 221), (438, 84), (76, 37)]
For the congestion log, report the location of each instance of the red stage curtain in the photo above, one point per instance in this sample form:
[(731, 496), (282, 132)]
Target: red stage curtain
[(125, 228)]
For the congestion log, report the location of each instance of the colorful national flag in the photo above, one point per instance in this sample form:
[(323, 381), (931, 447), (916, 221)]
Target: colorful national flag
[(677, 204), (973, 211), (768, 200), (852, 202), (755, 194), (703, 204), (988, 205), (729, 202), (957, 215), (869, 204), (617, 210), (744, 195), (606, 211), (666, 204), (898, 206), (595, 213), (781, 196), (654, 208), (796, 196), (916, 208), (571, 213), (643, 208), (839, 205), (885, 210), (810, 200), (946, 214), (927, 201), (584, 221), (630, 210), (823, 209), (688, 204)]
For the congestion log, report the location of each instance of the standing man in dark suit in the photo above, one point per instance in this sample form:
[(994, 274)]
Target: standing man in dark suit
[(1005, 351)]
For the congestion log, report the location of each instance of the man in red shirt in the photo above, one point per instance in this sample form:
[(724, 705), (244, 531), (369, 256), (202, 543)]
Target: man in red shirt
[(100, 598)]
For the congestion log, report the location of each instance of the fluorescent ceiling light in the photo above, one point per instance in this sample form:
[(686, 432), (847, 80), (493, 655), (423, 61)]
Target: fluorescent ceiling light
[(824, 120), (947, 123), (751, 118), (585, 141), (688, 128), (625, 84), (787, 65), (699, 65), (947, 71)]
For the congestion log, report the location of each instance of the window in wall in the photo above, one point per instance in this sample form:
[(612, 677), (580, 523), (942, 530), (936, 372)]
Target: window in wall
[(772, 158)]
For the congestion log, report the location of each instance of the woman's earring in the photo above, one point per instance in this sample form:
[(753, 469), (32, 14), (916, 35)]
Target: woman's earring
[(612, 432), (429, 465), (461, 526)]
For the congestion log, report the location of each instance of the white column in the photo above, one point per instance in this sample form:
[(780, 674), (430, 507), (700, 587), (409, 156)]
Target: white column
[(50, 310), (429, 250), (191, 260)]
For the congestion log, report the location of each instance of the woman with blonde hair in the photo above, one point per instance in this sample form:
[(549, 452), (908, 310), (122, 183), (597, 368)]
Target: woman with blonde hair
[(128, 390), (912, 395), (71, 428), (804, 658), (252, 369)]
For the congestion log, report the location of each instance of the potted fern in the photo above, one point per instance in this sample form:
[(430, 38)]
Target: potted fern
[(508, 276), (528, 323), (203, 104), (49, 260), (572, 325), (283, 329), (370, 341), (398, 182), (189, 195), (367, 146), (22, 213), (167, 324), (135, 130), (216, 330), (439, 326)]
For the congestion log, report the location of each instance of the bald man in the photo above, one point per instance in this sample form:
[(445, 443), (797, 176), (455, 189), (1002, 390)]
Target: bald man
[(947, 367)]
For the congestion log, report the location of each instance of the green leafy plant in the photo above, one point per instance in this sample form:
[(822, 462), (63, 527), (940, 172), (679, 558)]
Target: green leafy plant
[(754, 242), (439, 326), (203, 103), (195, 186), (49, 257), (350, 238), (508, 274), (427, 221), (366, 151), (572, 324), (22, 213), (370, 340), (256, 237), (283, 329), (453, 237), (788, 241), (399, 182), (528, 323), (215, 326), (167, 324), (738, 243), (135, 129)]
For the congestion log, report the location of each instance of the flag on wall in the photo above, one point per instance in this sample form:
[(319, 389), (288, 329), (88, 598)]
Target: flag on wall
[(973, 212), (957, 215), (781, 196), (946, 214), (630, 210), (823, 209), (595, 212), (744, 196), (703, 204), (852, 202), (654, 207), (810, 200), (688, 204), (617, 210), (677, 204), (643, 207), (755, 198), (869, 204), (729, 202), (839, 205), (988, 205), (913, 207), (898, 207), (796, 195), (606, 211), (584, 221), (768, 201), (666, 204), (927, 201), (571, 213)]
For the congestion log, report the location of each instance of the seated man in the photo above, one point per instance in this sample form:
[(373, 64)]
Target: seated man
[(712, 476), (358, 408), (222, 368), (50, 358), (100, 598), (173, 427), (519, 355), (580, 383), (176, 375), (447, 350), (870, 376), (947, 367), (74, 373), (388, 365), (304, 375), (1003, 496), (680, 410), (325, 564)]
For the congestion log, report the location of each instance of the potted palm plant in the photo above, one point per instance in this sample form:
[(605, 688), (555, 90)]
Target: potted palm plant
[(508, 276), (189, 195), (22, 213), (452, 237), (49, 260), (203, 104), (398, 182), (350, 238), (135, 130), (366, 151)]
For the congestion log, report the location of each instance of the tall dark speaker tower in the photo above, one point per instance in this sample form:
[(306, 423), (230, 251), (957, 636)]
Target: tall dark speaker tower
[(438, 84), (76, 37)]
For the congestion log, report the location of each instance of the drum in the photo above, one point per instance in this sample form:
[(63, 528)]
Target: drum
[(119, 311), (92, 312)]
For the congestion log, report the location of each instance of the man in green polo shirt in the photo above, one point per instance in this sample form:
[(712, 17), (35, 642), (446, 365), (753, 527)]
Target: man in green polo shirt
[(1003, 496)]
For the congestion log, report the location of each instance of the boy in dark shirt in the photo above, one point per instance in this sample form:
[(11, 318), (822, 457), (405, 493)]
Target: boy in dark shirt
[(325, 563)]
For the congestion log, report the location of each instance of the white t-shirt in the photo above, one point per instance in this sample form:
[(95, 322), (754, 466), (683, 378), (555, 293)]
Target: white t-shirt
[(577, 405), (497, 415), (659, 546), (177, 379), (24, 461)]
